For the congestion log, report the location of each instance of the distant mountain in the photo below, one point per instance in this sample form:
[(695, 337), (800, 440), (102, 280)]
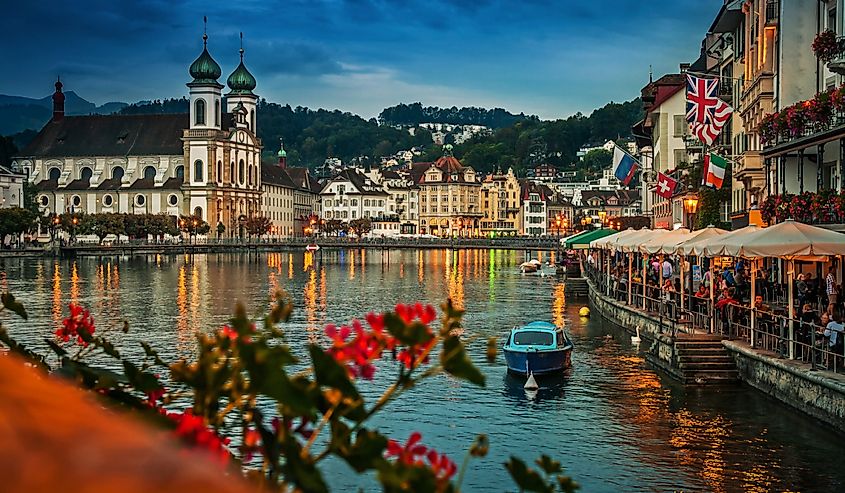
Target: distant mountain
[(18, 113), (416, 113)]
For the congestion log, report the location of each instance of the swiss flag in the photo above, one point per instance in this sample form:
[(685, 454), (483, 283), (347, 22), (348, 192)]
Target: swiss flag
[(665, 185)]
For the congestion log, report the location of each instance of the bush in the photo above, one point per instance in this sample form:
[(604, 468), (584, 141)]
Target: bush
[(244, 362)]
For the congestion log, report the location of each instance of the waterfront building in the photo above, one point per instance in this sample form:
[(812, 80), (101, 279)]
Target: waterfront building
[(11, 188), (561, 214), (352, 195), (500, 204), (605, 204), (661, 135), (809, 157), (449, 197), (533, 215), (402, 197), (205, 162), (277, 201)]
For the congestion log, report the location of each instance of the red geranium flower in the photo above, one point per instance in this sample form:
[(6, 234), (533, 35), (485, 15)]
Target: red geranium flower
[(79, 318), (412, 454), (193, 431)]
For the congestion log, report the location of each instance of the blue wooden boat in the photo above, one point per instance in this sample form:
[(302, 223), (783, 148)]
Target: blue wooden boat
[(538, 348)]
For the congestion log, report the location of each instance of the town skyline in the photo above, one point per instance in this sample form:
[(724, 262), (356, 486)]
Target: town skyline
[(448, 54)]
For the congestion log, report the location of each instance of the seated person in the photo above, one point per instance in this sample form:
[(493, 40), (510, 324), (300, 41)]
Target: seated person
[(758, 303), (808, 318), (833, 331), (702, 292)]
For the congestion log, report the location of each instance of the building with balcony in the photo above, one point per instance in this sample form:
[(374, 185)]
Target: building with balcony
[(533, 212), (449, 197), (803, 136), (402, 197), (500, 204), (352, 195)]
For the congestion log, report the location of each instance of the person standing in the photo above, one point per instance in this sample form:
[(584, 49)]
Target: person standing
[(667, 269), (830, 282)]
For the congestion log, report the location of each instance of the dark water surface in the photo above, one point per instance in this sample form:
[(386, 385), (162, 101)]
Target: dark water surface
[(614, 423)]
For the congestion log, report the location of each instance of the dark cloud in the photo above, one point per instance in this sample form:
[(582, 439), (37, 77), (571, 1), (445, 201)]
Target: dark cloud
[(559, 55)]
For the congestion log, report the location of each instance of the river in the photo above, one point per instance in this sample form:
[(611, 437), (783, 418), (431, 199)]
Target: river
[(615, 423)]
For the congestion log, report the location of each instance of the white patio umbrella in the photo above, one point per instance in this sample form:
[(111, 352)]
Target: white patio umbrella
[(664, 243), (716, 246), (787, 240), (632, 243), (603, 242), (694, 244)]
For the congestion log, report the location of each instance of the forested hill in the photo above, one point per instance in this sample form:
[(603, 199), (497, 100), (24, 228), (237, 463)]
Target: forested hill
[(311, 136), (416, 113), (530, 142)]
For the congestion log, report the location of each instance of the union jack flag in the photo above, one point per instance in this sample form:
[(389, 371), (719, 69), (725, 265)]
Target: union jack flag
[(707, 132), (702, 98)]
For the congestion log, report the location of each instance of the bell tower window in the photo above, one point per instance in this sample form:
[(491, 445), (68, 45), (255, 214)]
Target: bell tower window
[(199, 112), (216, 112), (198, 170)]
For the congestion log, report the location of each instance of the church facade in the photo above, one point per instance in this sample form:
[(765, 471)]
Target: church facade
[(205, 163)]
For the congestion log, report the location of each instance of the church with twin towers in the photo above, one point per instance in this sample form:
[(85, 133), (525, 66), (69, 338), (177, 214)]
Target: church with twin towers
[(205, 163)]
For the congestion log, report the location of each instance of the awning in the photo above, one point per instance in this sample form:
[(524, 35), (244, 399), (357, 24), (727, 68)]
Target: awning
[(632, 243), (788, 240), (664, 243), (715, 247), (607, 240), (581, 242), (695, 244)]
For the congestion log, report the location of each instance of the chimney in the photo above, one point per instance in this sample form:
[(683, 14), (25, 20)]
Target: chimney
[(58, 102), (684, 68)]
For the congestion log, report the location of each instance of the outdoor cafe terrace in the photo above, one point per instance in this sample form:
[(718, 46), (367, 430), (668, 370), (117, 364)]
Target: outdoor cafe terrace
[(770, 287)]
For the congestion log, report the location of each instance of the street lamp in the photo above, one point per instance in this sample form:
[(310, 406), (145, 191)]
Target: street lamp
[(691, 206)]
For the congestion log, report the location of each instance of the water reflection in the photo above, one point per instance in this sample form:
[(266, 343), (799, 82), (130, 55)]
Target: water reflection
[(617, 424)]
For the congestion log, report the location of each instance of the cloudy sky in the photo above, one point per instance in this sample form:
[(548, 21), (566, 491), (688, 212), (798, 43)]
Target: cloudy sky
[(550, 58)]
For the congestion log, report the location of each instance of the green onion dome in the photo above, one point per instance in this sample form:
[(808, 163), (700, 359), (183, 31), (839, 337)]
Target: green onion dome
[(205, 70), (241, 81)]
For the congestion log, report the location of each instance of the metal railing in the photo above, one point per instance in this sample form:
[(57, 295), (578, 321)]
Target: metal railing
[(772, 12)]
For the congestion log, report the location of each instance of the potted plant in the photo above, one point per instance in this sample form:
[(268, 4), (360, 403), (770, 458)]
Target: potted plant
[(826, 46)]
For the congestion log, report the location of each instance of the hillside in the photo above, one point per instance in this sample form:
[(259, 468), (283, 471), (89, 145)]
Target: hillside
[(311, 136), (415, 113), (530, 142), (18, 113)]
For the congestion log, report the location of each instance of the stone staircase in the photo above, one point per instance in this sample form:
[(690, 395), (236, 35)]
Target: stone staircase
[(702, 359), (576, 287)]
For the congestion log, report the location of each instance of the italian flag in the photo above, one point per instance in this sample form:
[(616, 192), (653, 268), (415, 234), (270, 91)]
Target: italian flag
[(714, 170)]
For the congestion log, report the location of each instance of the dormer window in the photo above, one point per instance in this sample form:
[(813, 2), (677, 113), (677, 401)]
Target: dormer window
[(121, 139)]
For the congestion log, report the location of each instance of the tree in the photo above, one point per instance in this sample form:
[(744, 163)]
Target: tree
[(333, 227), (597, 160), (30, 197), (258, 226), (360, 227), (15, 221), (107, 224), (193, 225)]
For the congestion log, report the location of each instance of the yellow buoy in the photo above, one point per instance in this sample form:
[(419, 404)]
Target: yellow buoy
[(584, 312)]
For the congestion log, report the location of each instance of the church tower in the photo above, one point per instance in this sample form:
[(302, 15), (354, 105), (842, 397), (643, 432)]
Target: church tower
[(205, 91), (241, 101)]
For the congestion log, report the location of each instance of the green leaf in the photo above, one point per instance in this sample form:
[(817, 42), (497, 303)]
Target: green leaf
[(56, 348), (107, 347), (153, 354), (455, 361), (549, 465), (330, 373), (11, 304), (567, 485), (31, 356), (367, 452), (141, 380), (413, 334), (526, 478), (301, 471)]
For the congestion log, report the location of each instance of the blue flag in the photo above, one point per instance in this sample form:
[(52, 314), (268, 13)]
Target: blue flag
[(624, 166)]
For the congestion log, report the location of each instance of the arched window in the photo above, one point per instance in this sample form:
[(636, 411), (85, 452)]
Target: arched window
[(117, 173), (198, 212), (55, 173), (252, 120), (241, 172), (198, 170), (219, 171), (199, 112), (150, 173), (85, 173), (249, 179), (180, 172), (232, 172), (216, 112)]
